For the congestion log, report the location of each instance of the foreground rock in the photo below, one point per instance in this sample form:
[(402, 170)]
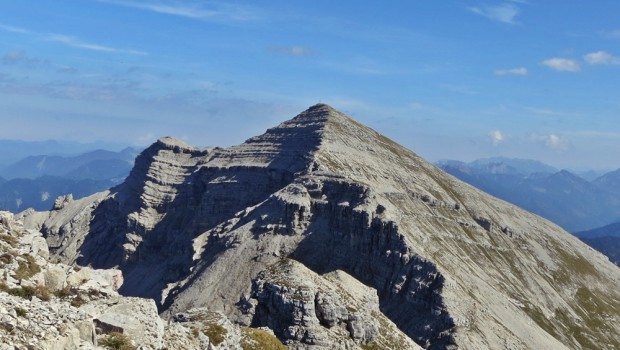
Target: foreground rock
[(452, 267), (52, 306)]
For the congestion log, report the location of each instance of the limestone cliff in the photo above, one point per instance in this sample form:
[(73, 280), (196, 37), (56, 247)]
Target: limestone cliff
[(260, 232)]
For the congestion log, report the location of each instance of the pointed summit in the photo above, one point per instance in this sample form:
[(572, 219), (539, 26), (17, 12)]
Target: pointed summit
[(288, 146)]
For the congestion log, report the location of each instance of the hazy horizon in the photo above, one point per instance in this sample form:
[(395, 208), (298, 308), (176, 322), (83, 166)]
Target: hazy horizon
[(73, 148)]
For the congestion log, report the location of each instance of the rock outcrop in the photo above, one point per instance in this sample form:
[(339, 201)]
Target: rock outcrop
[(331, 236), (52, 306)]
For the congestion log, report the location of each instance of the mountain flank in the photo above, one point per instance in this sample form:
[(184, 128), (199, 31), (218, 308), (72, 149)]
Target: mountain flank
[(333, 236)]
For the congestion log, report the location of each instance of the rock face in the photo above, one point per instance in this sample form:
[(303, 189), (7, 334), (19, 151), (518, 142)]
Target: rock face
[(55, 306), (52, 306), (334, 237)]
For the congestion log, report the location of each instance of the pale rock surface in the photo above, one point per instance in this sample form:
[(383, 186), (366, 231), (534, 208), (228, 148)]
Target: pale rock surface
[(452, 266), (84, 298), (135, 316), (333, 311)]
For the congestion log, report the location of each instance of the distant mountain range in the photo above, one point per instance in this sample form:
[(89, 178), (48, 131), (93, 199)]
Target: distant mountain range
[(590, 209), (570, 201), (98, 164), (605, 239), (37, 180), (12, 151), (20, 194)]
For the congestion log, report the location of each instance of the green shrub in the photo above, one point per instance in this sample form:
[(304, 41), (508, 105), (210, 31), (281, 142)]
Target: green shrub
[(27, 269), (116, 341), (258, 339), (6, 259), (10, 240), (41, 292), (216, 333), (78, 301), (22, 292), (66, 292), (21, 312)]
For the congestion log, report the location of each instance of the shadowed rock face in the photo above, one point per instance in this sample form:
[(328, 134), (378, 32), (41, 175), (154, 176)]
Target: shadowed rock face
[(241, 230)]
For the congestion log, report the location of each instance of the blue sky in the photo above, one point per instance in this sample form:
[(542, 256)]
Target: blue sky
[(448, 79)]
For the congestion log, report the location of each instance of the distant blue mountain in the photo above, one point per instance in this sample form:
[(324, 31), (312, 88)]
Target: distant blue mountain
[(36, 181), (114, 164), (608, 245), (609, 181), (570, 201), (12, 151), (560, 196), (612, 230), (20, 194), (501, 165)]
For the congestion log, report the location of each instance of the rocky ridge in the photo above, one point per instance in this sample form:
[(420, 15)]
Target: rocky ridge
[(52, 306), (297, 229)]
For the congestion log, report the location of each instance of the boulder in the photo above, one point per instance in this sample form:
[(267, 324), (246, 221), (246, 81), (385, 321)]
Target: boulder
[(55, 277), (135, 317)]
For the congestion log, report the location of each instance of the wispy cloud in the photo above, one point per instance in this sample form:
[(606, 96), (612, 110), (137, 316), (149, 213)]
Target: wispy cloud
[(512, 71), (601, 57), (614, 34), (77, 43), (461, 89), (13, 29), (562, 64), (543, 111), (504, 13), (193, 9), (293, 50), (496, 137), (69, 41)]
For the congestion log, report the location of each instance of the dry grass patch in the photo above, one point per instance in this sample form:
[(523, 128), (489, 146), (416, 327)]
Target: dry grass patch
[(258, 339), (116, 341), (27, 268)]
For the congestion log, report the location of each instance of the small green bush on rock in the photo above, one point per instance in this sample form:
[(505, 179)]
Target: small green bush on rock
[(116, 341)]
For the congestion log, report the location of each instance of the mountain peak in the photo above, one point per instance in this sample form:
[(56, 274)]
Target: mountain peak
[(318, 115), (291, 145), (213, 228), (168, 142)]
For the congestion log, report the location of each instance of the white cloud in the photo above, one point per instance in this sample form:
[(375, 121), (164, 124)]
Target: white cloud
[(601, 57), (553, 141), (497, 137), (504, 13), (293, 50), (562, 64), (512, 71), (193, 10)]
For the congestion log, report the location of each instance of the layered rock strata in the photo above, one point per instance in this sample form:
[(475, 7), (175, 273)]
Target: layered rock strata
[(451, 266)]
